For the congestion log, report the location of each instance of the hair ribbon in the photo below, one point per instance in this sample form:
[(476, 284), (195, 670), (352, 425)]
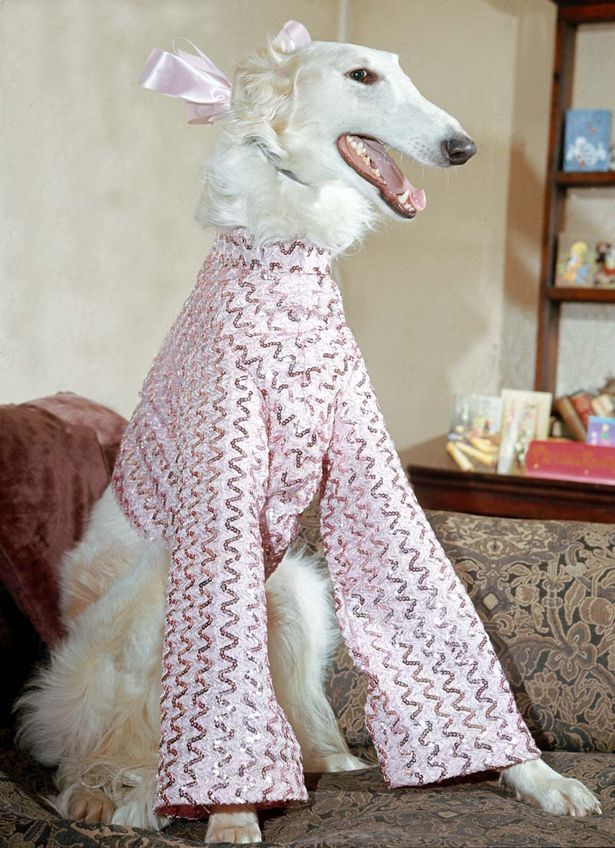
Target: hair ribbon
[(194, 78)]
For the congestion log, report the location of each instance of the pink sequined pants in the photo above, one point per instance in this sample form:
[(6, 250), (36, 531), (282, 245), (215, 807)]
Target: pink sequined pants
[(258, 399)]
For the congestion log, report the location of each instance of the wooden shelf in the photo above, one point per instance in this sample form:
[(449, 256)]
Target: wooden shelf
[(581, 295), (571, 17), (584, 179), (584, 12)]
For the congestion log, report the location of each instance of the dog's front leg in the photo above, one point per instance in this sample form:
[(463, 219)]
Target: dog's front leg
[(233, 823), (537, 783), (438, 703), (224, 738)]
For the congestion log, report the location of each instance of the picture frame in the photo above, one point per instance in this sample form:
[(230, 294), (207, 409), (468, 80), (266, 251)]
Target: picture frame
[(525, 416), (587, 140)]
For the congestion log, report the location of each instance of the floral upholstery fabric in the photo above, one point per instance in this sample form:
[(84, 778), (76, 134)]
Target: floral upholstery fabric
[(352, 810), (544, 591)]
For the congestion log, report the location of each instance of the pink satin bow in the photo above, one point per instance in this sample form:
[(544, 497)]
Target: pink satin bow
[(201, 84)]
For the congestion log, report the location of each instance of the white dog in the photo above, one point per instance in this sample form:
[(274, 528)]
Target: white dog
[(284, 166)]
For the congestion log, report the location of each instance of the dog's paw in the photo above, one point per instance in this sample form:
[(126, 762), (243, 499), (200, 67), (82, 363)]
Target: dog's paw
[(538, 784), (91, 806), (136, 813), (239, 828), (329, 763)]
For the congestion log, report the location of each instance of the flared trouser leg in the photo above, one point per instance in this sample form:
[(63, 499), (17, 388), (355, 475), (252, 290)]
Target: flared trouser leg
[(439, 704), (224, 738)]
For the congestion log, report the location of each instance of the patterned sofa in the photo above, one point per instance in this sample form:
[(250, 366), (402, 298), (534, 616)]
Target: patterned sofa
[(541, 587)]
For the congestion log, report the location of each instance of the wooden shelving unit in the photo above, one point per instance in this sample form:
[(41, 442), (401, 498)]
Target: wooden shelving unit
[(582, 295), (570, 16), (597, 179)]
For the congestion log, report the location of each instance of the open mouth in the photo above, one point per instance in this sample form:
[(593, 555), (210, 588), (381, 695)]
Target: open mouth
[(368, 157)]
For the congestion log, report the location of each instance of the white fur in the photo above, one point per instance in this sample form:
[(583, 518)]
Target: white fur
[(94, 710), (538, 784)]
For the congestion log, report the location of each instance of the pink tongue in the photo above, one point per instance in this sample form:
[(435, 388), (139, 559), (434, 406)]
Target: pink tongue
[(396, 181), (417, 196)]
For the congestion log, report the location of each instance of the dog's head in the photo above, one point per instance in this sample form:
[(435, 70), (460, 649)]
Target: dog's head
[(328, 112)]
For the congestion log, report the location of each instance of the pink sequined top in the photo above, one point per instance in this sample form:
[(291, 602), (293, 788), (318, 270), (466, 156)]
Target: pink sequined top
[(258, 399)]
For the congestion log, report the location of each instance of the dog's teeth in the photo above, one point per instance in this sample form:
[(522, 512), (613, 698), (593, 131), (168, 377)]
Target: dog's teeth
[(376, 173), (353, 143), (404, 197)]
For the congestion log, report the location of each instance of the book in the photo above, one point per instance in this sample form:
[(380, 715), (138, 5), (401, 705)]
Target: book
[(582, 403), (571, 418), (525, 416), (587, 137), (601, 431), (571, 461)]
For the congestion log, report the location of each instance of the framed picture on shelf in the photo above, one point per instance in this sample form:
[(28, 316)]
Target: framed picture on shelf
[(476, 415), (576, 260), (474, 433), (525, 416), (587, 139)]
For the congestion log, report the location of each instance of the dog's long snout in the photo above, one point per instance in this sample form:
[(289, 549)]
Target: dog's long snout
[(458, 149)]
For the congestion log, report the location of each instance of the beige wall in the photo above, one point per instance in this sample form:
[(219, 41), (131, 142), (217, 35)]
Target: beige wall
[(447, 304), (99, 182)]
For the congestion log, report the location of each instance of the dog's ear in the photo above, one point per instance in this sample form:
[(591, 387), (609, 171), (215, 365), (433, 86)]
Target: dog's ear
[(262, 91)]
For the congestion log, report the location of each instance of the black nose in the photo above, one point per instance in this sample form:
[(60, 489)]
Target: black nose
[(458, 149)]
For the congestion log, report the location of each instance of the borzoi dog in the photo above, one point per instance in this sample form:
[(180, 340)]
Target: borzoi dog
[(301, 155)]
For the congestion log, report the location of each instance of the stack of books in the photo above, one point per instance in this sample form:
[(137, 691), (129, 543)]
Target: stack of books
[(587, 417)]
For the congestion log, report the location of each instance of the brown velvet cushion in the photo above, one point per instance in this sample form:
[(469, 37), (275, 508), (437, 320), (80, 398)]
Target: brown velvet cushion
[(544, 592), (56, 455)]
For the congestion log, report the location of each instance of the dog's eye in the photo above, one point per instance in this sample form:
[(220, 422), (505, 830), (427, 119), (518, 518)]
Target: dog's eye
[(362, 75)]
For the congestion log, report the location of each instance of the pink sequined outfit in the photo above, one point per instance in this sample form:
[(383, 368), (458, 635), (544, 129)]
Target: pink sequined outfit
[(259, 398)]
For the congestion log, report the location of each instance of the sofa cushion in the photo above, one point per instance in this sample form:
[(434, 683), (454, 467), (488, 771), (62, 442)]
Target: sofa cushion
[(543, 590), (347, 810), (56, 456)]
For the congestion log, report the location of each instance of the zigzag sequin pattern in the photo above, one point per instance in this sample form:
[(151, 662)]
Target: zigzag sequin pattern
[(258, 399)]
